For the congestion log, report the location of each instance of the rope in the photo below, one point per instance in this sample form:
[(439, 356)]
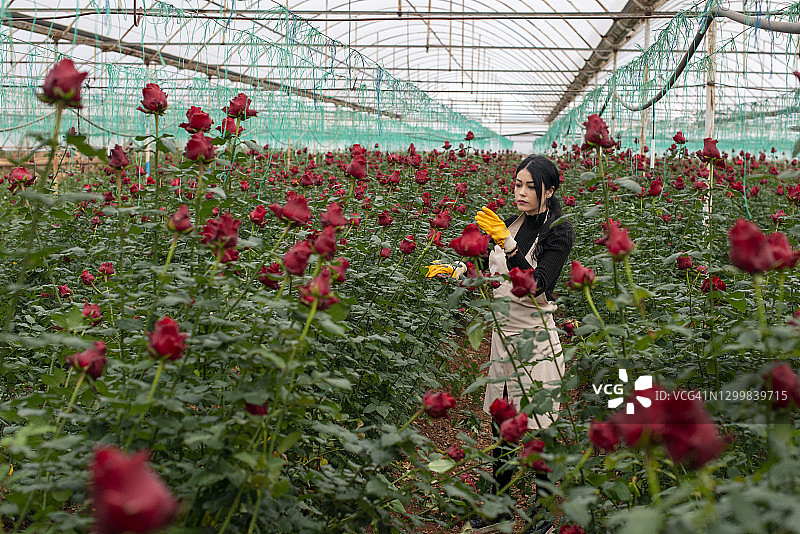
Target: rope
[(34, 121)]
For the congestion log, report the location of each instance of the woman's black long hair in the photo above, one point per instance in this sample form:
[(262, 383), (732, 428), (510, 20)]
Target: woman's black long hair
[(544, 172)]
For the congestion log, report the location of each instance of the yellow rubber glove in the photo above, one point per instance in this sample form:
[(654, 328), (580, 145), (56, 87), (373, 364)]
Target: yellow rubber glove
[(445, 268), (490, 223)]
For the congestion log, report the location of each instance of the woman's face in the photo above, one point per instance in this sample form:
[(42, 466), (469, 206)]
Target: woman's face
[(526, 196)]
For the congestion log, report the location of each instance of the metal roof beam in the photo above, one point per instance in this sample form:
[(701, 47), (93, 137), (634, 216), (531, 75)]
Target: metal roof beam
[(618, 34)]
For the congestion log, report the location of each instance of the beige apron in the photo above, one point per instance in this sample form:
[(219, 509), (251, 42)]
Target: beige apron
[(545, 364)]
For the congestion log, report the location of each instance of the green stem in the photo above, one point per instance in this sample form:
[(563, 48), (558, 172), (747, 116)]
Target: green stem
[(147, 402), (636, 300), (413, 417), (652, 477), (588, 294)]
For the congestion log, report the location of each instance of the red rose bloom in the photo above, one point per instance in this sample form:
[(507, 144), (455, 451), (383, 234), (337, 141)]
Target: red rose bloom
[(749, 250), (522, 282), (127, 495), (470, 136), (258, 214), (200, 148), (92, 311), (296, 210), (437, 404), (63, 85), (91, 360), (180, 222), (221, 234), (501, 410), (442, 220), (710, 151), (685, 262), (166, 340), (408, 245), (533, 448), (616, 240), (18, 177), (571, 529), (325, 243), (197, 120), (319, 287), (602, 435), (656, 186), (580, 276), (340, 268), (384, 219), (333, 216), (472, 242), (154, 100), (716, 283), (239, 107), (64, 290), (385, 252), (679, 138), (785, 257), (512, 429), (87, 278), (228, 127), (106, 268), (118, 159), (257, 409), (270, 276), (456, 453), (597, 132), (296, 258), (782, 381), (357, 168)]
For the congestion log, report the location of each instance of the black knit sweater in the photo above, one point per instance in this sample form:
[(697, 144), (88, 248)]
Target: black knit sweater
[(551, 252)]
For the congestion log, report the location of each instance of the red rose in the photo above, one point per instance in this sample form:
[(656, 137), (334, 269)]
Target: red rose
[(616, 240), (679, 138), (18, 177), (296, 258), (785, 257), (384, 219), (269, 276), (64, 290), (200, 148), (333, 217), (597, 132), (357, 168), (228, 127), (408, 245), (522, 282), (710, 151), (749, 250), (437, 404), (320, 288), (91, 360), (571, 529), (602, 435), (154, 100), (63, 85), (118, 159), (127, 495), (340, 268), (166, 340), (456, 453), (385, 252), (92, 311), (472, 242), (782, 381), (87, 278), (180, 222), (442, 220), (446, 145), (533, 448), (501, 410), (689, 434), (580, 276), (258, 214), (656, 186), (470, 136), (106, 268), (325, 243), (685, 262), (716, 283), (512, 429), (239, 107), (257, 409), (296, 210), (197, 121), (221, 233)]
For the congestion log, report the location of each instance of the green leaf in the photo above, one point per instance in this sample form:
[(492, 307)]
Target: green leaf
[(475, 334), (638, 521), (441, 465), (629, 184), (796, 148), (79, 142), (287, 442)]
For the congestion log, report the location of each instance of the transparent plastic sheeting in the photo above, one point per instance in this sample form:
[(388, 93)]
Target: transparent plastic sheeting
[(313, 91), (755, 93)]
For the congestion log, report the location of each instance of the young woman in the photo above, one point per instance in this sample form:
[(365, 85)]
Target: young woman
[(526, 240)]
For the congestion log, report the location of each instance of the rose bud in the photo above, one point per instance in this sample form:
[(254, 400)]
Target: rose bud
[(257, 409), (685, 262), (154, 100), (319, 288), (269, 276), (616, 240), (296, 258), (118, 159), (197, 121), (296, 210), (92, 311), (437, 404), (228, 127), (63, 85), (199, 148), (710, 151), (472, 242), (258, 214), (166, 340), (532, 449), (127, 495), (385, 219), (357, 168), (442, 220), (92, 361), (597, 132), (333, 217), (602, 435), (501, 410), (512, 429), (785, 385), (87, 278), (580, 276), (340, 269), (749, 250), (64, 290), (456, 453), (785, 257), (106, 268), (679, 138), (179, 222), (239, 108), (408, 245), (221, 233), (522, 282)]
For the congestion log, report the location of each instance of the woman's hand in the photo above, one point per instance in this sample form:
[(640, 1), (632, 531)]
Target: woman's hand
[(490, 223)]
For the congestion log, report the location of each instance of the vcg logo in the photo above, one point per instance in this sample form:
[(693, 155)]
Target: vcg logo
[(617, 390)]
